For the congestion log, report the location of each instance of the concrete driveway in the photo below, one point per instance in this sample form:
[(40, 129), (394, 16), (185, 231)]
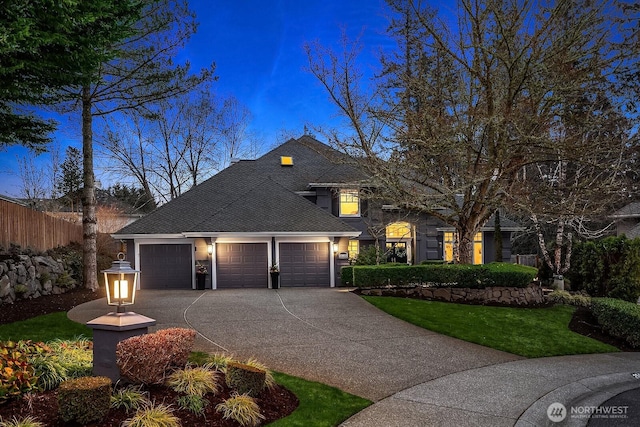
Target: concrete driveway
[(326, 335)]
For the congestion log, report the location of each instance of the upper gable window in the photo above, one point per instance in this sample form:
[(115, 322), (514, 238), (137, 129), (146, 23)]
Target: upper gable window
[(398, 230), (349, 203)]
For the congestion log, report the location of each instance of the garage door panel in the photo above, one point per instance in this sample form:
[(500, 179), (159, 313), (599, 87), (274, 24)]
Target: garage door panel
[(242, 265), (166, 266), (304, 264)]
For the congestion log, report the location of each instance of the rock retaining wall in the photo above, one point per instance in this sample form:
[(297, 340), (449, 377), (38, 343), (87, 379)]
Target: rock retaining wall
[(531, 295), (27, 276)]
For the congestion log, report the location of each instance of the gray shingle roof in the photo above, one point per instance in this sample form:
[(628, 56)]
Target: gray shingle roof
[(256, 196), (313, 161), (632, 210)]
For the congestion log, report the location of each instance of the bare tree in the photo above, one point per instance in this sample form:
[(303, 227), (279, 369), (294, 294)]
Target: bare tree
[(235, 139), (184, 141), (458, 111), (33, 187), (129, 150)]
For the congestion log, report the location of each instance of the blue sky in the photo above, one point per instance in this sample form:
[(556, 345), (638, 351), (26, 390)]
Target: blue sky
[(258, 50)]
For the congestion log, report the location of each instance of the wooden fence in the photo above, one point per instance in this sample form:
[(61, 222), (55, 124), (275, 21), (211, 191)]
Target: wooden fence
[(530, 260), (33, 229)]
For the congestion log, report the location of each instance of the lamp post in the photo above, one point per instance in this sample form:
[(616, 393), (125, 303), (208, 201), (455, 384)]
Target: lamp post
[(121, 282)]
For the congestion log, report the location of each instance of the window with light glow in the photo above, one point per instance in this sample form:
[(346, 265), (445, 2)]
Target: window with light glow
[(349, 203), (448, 246), (399, 230), (477, 247), (354, 248)]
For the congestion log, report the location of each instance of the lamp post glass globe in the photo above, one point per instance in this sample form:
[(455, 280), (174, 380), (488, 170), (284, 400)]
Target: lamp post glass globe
[(121, 282)]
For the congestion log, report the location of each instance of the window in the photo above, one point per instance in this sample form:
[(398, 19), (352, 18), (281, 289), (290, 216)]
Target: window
[(349, 203), (399, 230), (354, 248), (448, 246), (477, 247)]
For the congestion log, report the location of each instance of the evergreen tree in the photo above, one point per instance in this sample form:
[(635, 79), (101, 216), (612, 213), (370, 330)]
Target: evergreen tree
[(70, 182), (46, 45)]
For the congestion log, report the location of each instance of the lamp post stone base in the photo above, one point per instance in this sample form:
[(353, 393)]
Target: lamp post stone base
[(108, 331)]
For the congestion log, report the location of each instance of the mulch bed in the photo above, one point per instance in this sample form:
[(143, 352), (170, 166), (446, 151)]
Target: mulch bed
[(28, 308), (274, 404), (584, 322)]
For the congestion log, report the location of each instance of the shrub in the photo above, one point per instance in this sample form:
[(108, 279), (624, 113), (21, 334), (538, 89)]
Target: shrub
[(245, 379), (145, 359), (619, 318), (218, 361), (451, 275), (153, 415), (195, 381), (505, 274), (21, 422), (20, 290), (64, 360), (85, 399), (368, 256), (242, 409), (17, 375), (181, 341), (129, 399), (71, 255), (566, 298), (193, 403), (607, 268), (270, 382)]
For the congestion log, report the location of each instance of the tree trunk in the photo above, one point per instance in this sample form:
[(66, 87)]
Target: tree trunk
[(89, 222), (554, 265), (465, 246)]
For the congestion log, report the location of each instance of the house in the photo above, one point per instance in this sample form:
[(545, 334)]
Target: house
[(627, 220), (299, 207)]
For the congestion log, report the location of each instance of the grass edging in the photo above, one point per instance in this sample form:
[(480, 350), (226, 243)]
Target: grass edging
[(528, 332), (320, 405)]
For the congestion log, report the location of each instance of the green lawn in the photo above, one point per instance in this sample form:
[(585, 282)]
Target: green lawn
[(320, 404), (528, 332), (47, 327)]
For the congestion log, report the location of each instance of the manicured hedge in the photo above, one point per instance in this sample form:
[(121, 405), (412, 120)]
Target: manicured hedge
[(442, 275), (619, 318)]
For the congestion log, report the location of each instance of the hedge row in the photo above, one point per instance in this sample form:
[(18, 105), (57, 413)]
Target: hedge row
[(607, 268), (619, 318), (440, 275)]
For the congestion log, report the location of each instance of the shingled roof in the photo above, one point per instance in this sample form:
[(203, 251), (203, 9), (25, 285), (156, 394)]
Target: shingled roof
[(632, 210), (257, 196)]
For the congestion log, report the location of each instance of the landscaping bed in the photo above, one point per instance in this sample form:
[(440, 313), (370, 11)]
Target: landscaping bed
[(274, 404), (585, 323), (28, 308)]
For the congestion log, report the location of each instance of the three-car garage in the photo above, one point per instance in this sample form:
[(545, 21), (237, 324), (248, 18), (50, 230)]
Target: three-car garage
[(235, 264)]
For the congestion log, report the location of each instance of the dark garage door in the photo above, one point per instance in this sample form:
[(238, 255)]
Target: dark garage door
[(165, 267), (242, 265), (304, 264)]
